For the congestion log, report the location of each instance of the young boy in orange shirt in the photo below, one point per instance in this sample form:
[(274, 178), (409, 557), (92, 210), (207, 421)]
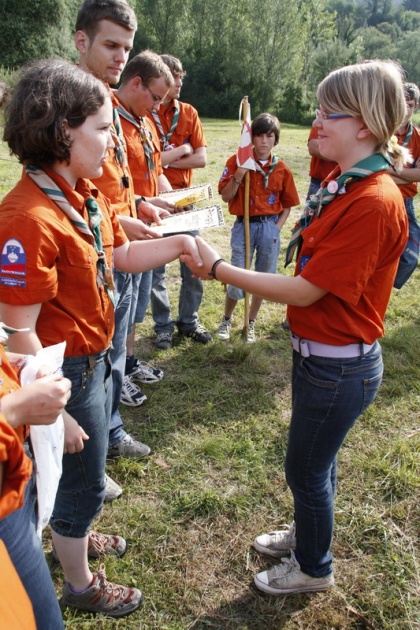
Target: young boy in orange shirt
[(271, 196)]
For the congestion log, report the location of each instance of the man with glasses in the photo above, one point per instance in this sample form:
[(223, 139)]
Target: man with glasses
[(144, 85), (183, 148)]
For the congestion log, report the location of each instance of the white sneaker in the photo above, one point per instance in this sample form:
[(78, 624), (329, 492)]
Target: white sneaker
[(287, 577), (112, 489), (250, 338), (277, 543), (131, 394), (143, 372), (223, 332)]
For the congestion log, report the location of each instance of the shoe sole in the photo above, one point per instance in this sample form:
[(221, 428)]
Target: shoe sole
[(117, 614), (109, 498), (314, 588), (203, 341), (146, 381), (133, 404), (223, 337), (132, 456), (273, 553)]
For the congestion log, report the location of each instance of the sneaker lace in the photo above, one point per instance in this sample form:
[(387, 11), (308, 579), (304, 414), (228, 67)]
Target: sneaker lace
[(225, 325), (165, 336), (291, 562), (117, 591), (130, 388), (144, 368), (285, 536), (200, 329), (97, 540)]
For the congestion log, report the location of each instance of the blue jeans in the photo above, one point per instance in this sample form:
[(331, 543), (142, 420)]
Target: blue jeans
[(81, 490), (410, 256), (143, 291), (18, 532), (328, 395), (123, 297), (264, 243), (190, 297)]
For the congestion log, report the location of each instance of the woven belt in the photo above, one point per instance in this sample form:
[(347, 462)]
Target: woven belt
[(305, 347), (259, 219)]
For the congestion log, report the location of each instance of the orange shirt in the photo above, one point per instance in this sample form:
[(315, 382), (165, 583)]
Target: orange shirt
[(145, 181), (9, 382), (352, 251), (17, 467), (111, 182), (54, 265), (189, 129), (410, 190), (319, 168), (281, 191), (16, 610)]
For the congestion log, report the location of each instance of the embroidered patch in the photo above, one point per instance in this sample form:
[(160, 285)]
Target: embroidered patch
[(13, 258), (224, 174), (272, 199), (304, 261), (13, 282)]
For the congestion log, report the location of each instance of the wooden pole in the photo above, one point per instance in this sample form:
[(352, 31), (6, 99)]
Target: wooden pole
[(245, 106)]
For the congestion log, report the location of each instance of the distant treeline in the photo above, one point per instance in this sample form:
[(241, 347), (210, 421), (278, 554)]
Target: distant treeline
[(274, 51)]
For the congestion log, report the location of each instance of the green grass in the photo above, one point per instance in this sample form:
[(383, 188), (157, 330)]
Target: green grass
[(217, 424)]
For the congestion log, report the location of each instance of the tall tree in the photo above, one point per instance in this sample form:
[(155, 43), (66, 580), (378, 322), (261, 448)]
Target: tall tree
[(32, 29)]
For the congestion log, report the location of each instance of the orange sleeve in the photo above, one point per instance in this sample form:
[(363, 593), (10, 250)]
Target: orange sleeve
[(17, 469), (15, 606)]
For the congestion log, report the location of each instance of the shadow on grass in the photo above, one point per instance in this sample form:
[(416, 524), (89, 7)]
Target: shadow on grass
[(253, 611), (212, 385)]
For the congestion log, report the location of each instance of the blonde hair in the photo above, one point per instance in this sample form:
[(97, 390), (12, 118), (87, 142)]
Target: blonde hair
[(372, 90)]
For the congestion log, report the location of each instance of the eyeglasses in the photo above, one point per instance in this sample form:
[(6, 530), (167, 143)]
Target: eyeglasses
[(324, 116), (156, 99)]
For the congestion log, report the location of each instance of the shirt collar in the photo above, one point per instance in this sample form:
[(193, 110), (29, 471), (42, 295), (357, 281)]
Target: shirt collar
[(76, 197)]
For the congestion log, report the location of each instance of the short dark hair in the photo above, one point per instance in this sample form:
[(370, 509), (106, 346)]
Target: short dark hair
[(49, 93), (147, 65), (412, 92), (93, 11), (266, 123), (174, 64)]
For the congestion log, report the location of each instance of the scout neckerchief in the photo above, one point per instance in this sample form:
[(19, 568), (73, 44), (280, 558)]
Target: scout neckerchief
[(265, 175), (53, 192), (145, 136), (165, 137), (119, 142), (335, 184), (408, 134)]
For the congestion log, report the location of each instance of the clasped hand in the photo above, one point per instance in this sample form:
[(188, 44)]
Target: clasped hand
[(208, 257)]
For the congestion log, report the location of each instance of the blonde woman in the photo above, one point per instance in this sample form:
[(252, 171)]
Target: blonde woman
[(356, 231)]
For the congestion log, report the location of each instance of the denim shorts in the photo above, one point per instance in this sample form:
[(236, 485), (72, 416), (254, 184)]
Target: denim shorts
[(264, 245), (81, 490)]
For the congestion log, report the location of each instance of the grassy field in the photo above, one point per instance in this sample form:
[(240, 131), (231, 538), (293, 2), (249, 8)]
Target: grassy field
[(217, 424)]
